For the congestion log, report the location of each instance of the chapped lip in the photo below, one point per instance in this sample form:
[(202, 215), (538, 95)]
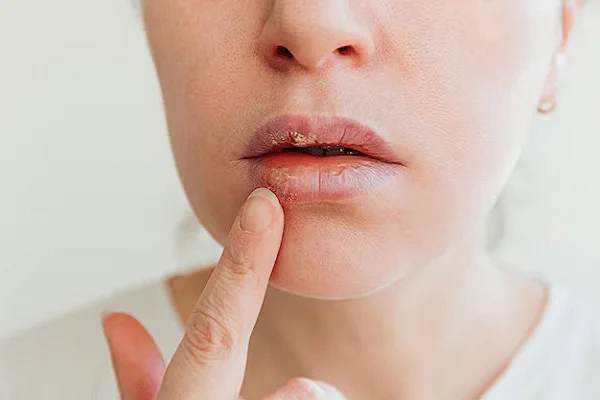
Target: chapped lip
[(288, 131)]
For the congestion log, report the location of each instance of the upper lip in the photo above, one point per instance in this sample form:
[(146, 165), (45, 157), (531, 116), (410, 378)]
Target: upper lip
[(302, 131)]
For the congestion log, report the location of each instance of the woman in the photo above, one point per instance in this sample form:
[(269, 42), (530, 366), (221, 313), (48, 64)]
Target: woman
[(378, 135)]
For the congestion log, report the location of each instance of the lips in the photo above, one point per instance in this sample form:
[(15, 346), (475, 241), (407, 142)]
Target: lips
[(290, 131), (304, 159)]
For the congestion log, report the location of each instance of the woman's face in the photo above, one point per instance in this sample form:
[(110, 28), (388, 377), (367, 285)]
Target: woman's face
[(435, 95)]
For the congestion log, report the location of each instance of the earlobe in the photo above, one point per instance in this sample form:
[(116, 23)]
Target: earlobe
[(548, 99), (571, 10)]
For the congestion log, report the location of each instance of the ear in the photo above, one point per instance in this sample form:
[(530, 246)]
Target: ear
[(570, 14)]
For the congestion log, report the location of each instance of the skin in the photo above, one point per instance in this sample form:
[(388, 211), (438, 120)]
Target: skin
[(401, 270), (209, 363), (456, 112)]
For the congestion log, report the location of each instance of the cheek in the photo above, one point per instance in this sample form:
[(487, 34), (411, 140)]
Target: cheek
[(473, 77), (200, 63), (204, 55), (360, 247)]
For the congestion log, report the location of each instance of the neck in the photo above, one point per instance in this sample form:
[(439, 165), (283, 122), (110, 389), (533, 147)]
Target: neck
[(456, 322)]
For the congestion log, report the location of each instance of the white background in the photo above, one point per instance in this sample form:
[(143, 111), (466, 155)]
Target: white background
[(90, 203)]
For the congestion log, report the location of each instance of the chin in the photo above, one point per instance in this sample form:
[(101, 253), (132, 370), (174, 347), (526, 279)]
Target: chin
[(324, 258)]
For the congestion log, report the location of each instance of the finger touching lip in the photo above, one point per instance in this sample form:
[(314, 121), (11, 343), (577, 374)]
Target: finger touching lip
[(332, 158)]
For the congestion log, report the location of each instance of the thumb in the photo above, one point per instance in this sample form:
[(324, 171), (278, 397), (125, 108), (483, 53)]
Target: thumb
[(136, 360)]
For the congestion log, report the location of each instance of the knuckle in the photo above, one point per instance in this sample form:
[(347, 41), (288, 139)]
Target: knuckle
[(237, 260), (209, 338)]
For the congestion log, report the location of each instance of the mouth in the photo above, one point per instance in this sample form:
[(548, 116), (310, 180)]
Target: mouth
[(320, 137), (324, 151), (305, 159)]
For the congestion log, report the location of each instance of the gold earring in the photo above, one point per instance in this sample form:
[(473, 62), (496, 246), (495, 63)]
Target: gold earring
[(547, 106)]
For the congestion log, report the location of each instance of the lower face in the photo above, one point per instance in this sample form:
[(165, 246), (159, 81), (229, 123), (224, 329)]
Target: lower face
[(450, 86)]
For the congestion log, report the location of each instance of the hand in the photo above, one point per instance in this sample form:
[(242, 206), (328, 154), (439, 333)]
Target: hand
[(210, 361)]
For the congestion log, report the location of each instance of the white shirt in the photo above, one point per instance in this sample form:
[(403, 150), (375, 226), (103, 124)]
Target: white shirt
[(68, 359)]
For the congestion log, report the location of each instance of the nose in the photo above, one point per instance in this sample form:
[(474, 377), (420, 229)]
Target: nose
[(314, 33)]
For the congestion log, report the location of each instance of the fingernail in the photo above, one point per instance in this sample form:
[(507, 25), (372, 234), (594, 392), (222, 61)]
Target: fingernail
[(329, 391), (258, 212), (315, 387)]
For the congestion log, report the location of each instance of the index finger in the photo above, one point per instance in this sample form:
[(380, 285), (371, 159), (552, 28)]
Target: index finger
[(210, 360)]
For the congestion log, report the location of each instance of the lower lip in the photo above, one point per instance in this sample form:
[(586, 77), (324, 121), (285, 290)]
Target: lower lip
[(298, 177)]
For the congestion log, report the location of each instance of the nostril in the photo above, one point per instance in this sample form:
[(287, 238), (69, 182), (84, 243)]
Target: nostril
[(345, 50), (282, 51)]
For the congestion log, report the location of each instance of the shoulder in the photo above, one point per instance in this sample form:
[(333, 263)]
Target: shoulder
[(582, 322), (561, 360), (68, 358), (573, 344), (578, 318)]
